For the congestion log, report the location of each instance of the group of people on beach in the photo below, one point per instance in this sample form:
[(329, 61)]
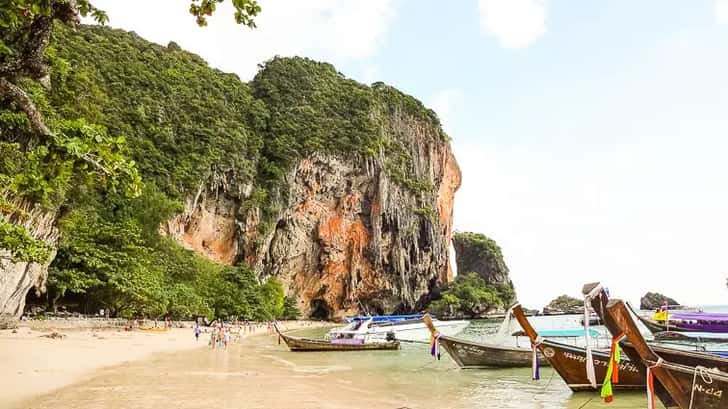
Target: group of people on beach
[(220, 336), (222, 333)]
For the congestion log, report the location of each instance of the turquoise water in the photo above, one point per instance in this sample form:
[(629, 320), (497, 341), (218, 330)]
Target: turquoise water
[(260, 373)]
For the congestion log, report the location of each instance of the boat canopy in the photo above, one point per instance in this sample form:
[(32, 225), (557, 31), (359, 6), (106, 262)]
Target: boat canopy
[(561, 333), (699, 316), (384, 318)]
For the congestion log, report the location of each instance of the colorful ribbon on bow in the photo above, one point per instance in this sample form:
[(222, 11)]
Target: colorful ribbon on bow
[(435, 345), (612, 376), (535, 366), (651, 385)]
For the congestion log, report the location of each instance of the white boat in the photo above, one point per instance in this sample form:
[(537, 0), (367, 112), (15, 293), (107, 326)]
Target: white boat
[(377, 329)]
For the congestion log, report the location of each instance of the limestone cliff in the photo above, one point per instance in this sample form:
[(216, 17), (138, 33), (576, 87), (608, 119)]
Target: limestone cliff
[(341, 190), (348, 238), (474, 252), (18, 277)]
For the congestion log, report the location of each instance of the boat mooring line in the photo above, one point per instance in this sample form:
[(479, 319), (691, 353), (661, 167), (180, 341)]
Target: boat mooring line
[(549, 382), (586, 403)]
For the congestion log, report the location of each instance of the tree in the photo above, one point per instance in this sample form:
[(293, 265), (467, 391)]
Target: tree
[(481, 254), (273, 299), (245, 10), (468, 294), (564, 303), (290, 309), (110, 262), (56, 151)]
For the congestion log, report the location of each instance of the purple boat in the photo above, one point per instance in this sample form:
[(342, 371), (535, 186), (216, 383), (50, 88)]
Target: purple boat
[(688, 322)]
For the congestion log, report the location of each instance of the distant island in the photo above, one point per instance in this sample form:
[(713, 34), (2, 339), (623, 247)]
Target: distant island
[(651, 301), (564, 304)]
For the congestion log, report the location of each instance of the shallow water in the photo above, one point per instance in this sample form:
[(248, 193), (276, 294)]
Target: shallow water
[(260, 373)]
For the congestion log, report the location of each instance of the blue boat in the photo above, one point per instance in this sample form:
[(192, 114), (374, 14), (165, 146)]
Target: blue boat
[(384, 318)]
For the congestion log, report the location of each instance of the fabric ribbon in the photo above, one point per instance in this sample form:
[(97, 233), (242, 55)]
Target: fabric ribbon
[(435, 345), (534, 360), (612, 375), (590, 373), (651, 385)]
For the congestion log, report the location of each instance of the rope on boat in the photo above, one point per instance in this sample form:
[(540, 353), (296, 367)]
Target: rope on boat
[(435, 345), (590, 373), (549, 382), (411, 341), (651, 384), (586, 403), (705, 375), (534, 359)]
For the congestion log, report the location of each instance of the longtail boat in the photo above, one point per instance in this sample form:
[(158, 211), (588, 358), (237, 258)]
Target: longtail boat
[(689, 386), (570, 362), (408, 328), (349, 344), (597, 295), (476, 355), (712, 322), (691, 336)]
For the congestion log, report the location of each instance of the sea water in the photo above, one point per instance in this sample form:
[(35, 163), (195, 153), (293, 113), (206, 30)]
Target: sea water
[(260, 373)]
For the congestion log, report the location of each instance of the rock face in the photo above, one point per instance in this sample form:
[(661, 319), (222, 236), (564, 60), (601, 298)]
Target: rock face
[(348, 239), (651, 301), (17, 278), (474, 252), (342, 191)]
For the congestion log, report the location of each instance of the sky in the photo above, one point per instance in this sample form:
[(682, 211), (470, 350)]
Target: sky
[(592, 135)]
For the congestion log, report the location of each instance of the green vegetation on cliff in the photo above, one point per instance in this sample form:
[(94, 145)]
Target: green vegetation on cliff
[(173, 124), (468, 295), (564, 303), (482, 283), (475, 252)]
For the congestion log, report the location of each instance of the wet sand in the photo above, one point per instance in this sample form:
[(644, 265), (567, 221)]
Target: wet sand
[(260, 373), (33, 365)]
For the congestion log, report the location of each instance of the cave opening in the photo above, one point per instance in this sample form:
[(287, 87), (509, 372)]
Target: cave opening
[(320, 309)]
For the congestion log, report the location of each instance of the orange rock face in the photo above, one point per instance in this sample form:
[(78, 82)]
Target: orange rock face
[(349, 238), (207, 228), (451, 180)]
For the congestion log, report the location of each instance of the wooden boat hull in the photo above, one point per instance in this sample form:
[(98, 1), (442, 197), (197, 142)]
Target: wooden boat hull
[(653, 326), (709, 387), (298, 344), (688, 387), (676, 356), (474, 355), (570, 363), (657, 326)]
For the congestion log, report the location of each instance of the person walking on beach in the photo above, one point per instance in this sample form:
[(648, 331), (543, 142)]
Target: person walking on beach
[(197, 332), (213, 337)]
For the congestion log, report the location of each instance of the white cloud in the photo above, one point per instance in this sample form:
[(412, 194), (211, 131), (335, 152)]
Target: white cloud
[(515, 23), (329, 30), (446, 103), (630, 192), (721, 11)]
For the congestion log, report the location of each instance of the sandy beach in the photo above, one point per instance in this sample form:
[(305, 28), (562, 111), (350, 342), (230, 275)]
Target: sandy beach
[(260, 373), (34, 365)]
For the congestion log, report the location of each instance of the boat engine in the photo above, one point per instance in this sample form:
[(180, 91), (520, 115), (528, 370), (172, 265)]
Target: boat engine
[(391, 337)]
